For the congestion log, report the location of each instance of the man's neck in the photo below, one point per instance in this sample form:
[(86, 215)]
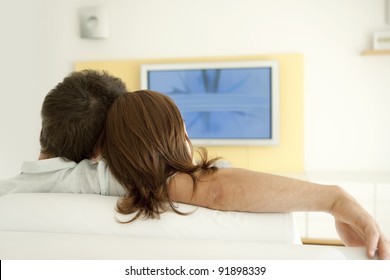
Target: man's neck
[(45, 155)]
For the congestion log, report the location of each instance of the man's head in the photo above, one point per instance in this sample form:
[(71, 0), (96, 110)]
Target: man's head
[(74, 113)]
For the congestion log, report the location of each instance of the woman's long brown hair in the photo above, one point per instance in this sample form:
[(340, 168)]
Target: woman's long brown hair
[(144, 143)]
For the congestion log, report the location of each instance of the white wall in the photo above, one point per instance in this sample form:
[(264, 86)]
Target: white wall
[(347, 96)]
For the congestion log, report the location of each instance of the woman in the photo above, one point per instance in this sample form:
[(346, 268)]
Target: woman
[(148, 151), (145, 143)]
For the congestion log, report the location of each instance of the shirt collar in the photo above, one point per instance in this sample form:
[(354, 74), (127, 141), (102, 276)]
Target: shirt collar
[(47, 165)]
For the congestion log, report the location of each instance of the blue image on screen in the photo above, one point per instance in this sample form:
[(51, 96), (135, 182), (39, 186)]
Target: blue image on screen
[(220, 103)]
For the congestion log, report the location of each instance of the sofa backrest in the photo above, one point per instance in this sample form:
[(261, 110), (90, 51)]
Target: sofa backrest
[(95, 214)]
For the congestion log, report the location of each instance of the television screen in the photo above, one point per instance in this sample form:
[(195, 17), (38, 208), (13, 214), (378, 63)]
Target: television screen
[(222, 103)]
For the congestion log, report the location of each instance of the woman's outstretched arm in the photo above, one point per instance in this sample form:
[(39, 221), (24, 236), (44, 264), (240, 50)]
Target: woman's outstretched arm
[(244, 190)]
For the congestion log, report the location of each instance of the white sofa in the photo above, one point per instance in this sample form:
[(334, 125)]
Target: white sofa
[(77, 226)]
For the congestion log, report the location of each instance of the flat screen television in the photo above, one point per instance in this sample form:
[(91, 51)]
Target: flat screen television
[(222, 103)]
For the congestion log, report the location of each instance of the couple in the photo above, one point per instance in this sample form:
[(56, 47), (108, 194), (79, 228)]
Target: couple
[(97, 138)]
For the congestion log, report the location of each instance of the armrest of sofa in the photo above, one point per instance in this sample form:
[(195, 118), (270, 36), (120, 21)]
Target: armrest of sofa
[(96, 215)]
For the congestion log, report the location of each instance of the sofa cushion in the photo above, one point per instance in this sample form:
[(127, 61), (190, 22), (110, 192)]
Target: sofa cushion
[(61, 246)]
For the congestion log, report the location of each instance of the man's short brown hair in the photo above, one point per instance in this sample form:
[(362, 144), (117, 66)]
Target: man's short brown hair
[(74, 113)]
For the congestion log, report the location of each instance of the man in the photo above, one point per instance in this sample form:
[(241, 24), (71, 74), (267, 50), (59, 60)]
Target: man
[(73, 117)]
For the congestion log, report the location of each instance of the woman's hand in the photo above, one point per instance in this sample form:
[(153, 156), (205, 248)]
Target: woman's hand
[(356, 227)]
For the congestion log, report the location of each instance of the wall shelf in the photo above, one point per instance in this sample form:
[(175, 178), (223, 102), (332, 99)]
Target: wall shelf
[(376, 52), (313, 241)]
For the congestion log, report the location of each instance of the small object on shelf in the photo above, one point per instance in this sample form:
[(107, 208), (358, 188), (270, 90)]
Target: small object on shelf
[(382, 40)]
